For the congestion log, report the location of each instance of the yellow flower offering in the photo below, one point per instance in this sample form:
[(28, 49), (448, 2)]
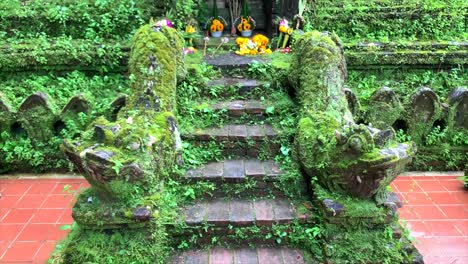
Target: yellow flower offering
[(190, 29), (257, 45)]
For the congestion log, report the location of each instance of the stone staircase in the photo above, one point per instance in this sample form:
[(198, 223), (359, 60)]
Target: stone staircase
[(240, 224)]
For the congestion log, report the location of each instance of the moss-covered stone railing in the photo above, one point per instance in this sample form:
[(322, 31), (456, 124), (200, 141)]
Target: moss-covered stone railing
[(345, 157), (64, 54), (419, 117), (127, 161), (38, 118)]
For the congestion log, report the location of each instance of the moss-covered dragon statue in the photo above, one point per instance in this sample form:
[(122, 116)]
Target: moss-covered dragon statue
[(127, 161), (344, 156)]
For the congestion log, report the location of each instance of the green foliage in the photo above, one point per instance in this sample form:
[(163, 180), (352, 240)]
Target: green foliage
[(88, 19), (405, 82), (387, 20)]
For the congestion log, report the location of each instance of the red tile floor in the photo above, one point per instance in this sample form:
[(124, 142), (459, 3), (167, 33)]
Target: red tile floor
[(33, 210)]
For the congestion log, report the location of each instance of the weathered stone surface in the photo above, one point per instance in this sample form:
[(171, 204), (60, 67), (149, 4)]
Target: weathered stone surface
[(458, 114), (214, 170), (269, 255), (196, 257), (353, 103), (142, 214), (117, 105), (236, 108), (241, 212), (355, 163), (385, 108), (195, 214), (237, 133), (333, 208), (234, 170), (292, 256), (77, 104), (425, 109), (242, 255), (254, 168), (264, 213), (37, 116), (233, 61), (284, 212), (255, 107), (6, 114), (221, 255), (218, 213), (255, 132), (245, 256)]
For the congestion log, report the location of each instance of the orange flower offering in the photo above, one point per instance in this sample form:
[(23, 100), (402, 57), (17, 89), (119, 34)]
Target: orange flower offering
[(246, 24), (217, 24)]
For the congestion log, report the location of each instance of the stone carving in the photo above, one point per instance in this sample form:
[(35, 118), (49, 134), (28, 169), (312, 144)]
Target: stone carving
[(37, 115), (116, 106), (353, 102), (6, 114), (386, 108), (425, 109), (126, 160), (345, 157), (458, 113)]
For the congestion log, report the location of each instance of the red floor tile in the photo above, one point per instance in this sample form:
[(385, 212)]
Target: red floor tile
[(443, 228), (21, 251), (18, 216), (428, 212), (44, 252), (9, 201), (3, 212), (462, 197), (30, 201), (3, 247), (35, 232), (455, 211), (462, 226), (47, 216), (447, 246), (408, 213), (443, 198), (10, 231), (418, 199), (445, 260), (67, 217), (431, 186), (57, 234), (16, 188), (63, 201), (418, 229), (41, 188), (423, 178), (66, 188), (452, 185), (407, 186)]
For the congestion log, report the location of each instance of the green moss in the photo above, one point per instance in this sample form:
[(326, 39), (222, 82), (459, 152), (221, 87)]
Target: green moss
[(160, 49)]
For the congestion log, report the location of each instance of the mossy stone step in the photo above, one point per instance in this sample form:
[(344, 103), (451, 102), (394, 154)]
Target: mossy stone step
[(235, 171), (238, 108), (244, 255), (232, 61), (222, 213), (238, 133), (239, 86), (238, 140)]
